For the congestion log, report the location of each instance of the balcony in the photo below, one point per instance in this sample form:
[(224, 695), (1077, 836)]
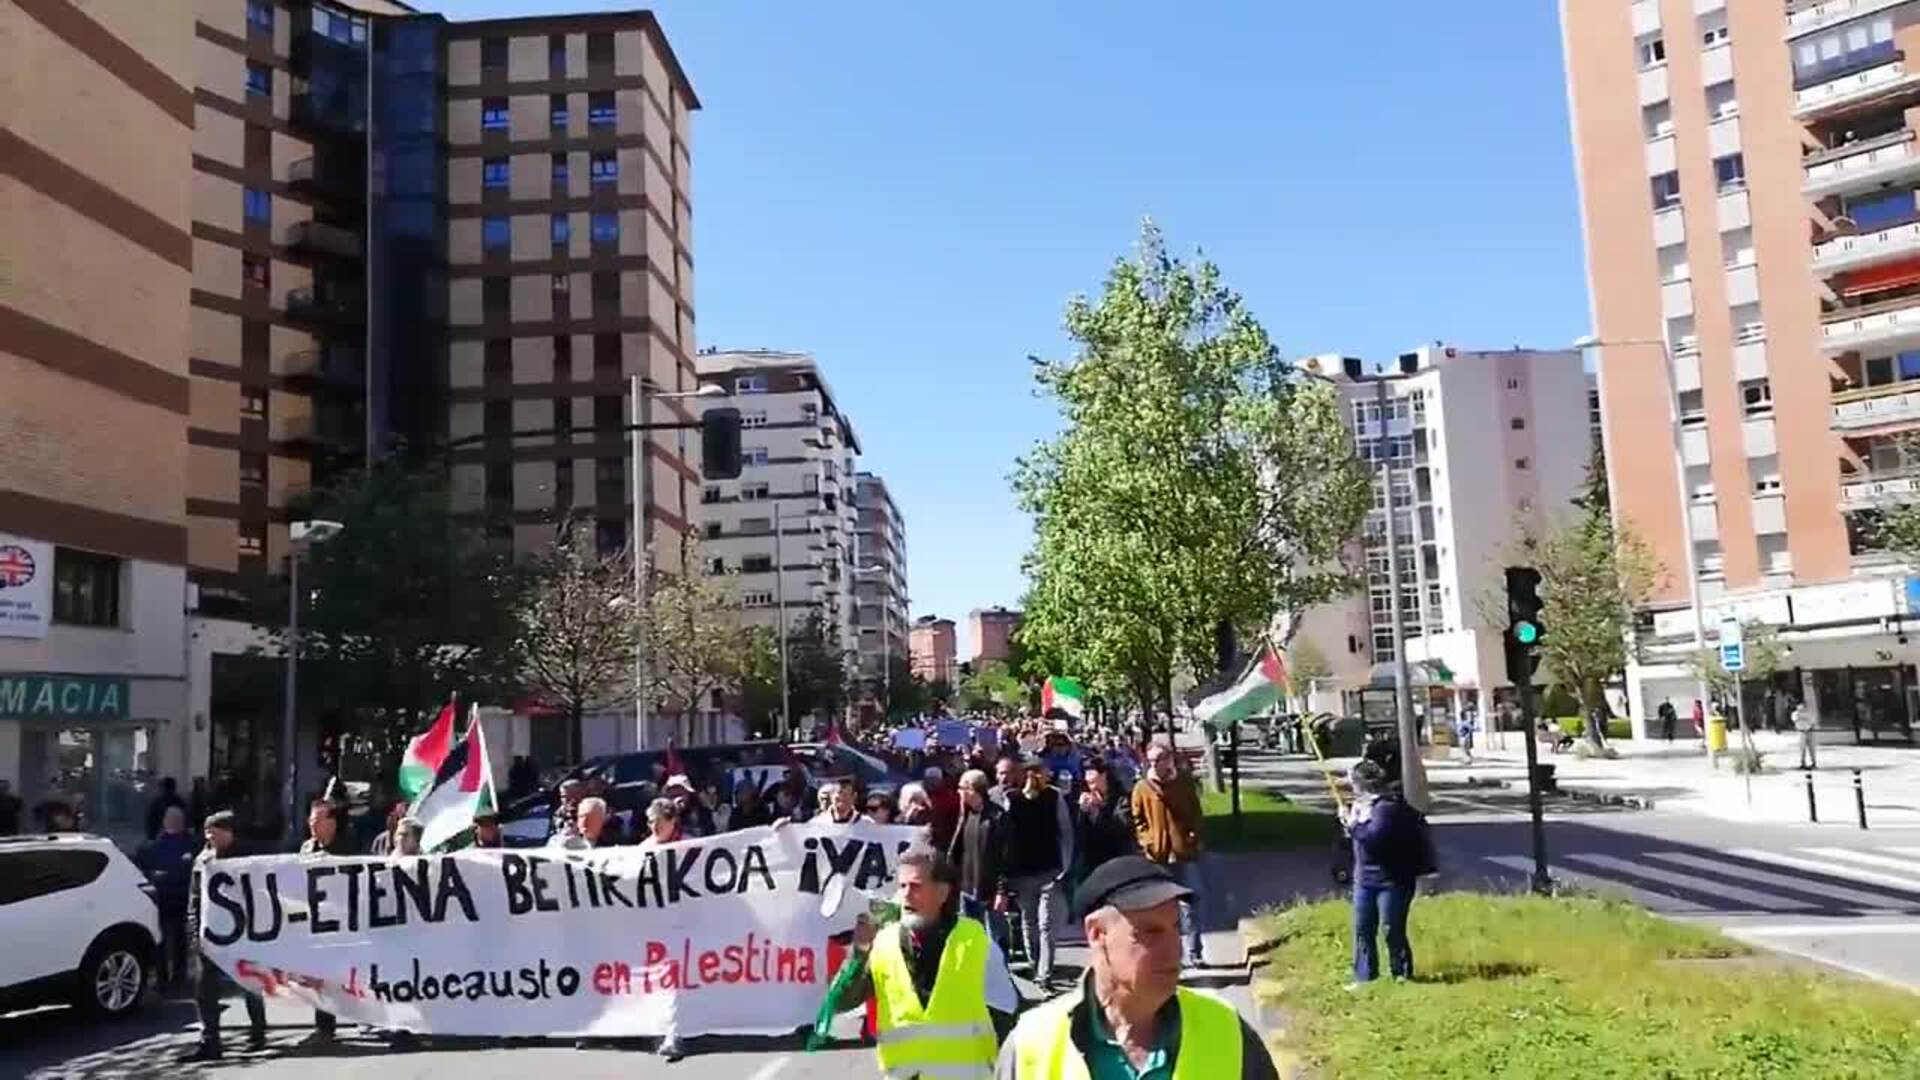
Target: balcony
[(1869, 490), (303, 304), (335, 366), (1859, 250), (1861, 166), (1865, 410), (315, 116), (1811, 17), (310, 177), (1854, 88), (1892, 322), (319, 238)]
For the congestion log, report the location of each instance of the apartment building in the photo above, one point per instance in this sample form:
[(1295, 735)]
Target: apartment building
[(931, 641), (787, 526), (1481, 447), (1748, 175), (880, 584), (273, 238), (992, 631), (95, 485)]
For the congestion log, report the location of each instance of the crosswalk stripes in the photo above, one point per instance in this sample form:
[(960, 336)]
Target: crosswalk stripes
[(1813, 860), (1798, 881), (1865, 900), (1765, 901), (1638, 896)]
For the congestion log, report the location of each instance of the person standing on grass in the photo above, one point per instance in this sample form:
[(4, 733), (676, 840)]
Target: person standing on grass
[(1391, 849), (1808, 725), (1165, 808)]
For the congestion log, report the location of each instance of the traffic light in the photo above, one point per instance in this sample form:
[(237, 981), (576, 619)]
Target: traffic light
[(720, 444), (1524, 628)]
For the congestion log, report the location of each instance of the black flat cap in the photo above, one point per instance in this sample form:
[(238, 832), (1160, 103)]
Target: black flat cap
[(1129, 883)]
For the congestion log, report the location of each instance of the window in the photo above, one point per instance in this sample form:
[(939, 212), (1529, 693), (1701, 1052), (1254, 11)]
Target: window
[(1721, 102), (604, 167), (754, 492), (1666, 190), (495, 172), (1747, 324), (493, 114), (1870, 213), (1513, 384), (255, 271), (1736, 247), (259, 80), (757, 598), (251, 541), (257, 205), (750, 384), (755, 419), (556, 56), (809, 412), (339, 26), (496, 234), (495, 299), (253, 405), (601, 110), (562, 285), (1518, 423), (1843, 50), (560, 175), (753, 455), (1656, 120), (606, 227), (562, 229), (253, 470), (86, 588), (1730, 172), (715, 567), (756, 564), (493, 52), (557, 111), (710, 495), (27, 875), (1522, 464), (260, 15), (1756, 397), (1673, 263), (1716, 33), (1653, 50), (1693, 410)]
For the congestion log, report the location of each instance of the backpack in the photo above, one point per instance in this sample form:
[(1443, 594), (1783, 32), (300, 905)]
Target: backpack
[(1426, 858)]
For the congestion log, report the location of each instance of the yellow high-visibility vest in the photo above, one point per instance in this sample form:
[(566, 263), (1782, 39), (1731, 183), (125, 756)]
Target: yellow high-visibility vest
[(1209, 1040), (950, 1036)]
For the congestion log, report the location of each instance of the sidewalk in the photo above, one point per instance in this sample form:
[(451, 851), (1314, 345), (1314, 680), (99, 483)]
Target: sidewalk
[(1675, 777)]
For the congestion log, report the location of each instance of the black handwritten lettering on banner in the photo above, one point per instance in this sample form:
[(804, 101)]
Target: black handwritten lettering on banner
[(723, 933)]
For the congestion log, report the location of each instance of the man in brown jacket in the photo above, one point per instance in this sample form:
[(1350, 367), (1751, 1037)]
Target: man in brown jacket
[(1166, 821)]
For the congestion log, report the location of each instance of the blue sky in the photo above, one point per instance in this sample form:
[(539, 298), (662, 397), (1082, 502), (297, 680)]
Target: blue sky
[(912, 190)]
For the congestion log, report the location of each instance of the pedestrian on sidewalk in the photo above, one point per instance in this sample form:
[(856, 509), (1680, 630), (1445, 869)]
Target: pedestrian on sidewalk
[(1463, 730), (1699, 721), (1165, 807), (1667, 719), (1392, 848), (1808, 725)]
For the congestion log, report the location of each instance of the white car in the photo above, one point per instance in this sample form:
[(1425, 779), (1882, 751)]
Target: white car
[(79, 923)]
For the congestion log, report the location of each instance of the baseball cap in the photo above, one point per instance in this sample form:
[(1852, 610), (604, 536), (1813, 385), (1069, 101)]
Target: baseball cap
[(1130, 883)]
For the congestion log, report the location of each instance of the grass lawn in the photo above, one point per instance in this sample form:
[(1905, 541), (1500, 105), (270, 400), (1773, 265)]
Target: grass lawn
[(1269, 822), (1582, 989)]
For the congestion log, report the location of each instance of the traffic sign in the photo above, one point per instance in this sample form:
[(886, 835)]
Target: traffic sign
[(1733, 656)]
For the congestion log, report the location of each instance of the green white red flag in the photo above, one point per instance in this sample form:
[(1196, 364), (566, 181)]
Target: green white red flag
[(425, 751), (1257, 689), (1064, 694), (462, 789)]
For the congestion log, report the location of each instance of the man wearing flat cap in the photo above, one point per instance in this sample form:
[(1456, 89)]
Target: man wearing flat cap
[(210, 982), (1130, 1017)]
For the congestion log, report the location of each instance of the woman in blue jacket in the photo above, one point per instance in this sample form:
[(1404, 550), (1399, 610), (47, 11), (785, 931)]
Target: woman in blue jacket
[(1391, 849)]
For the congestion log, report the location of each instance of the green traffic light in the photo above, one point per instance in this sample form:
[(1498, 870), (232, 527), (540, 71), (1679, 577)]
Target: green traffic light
[(1525, 632)]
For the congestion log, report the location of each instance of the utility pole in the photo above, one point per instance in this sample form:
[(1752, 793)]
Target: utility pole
[(642, 552)]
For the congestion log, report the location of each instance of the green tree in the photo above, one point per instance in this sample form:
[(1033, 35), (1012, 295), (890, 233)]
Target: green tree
[(991, 688), (698, 649), (1196, 477), (760, 681), (1305, 663), (903, 693), (407, 606), (817, 679), (579, 631)]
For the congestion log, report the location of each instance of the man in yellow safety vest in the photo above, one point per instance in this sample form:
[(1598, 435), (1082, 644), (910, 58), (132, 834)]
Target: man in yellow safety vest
[(1130, 1019), (940, 985)]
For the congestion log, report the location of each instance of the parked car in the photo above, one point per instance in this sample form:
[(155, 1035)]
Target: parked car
[(831, 760), (79, 924)]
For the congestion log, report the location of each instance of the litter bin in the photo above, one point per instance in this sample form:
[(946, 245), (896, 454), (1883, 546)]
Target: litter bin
[(1716, 733)]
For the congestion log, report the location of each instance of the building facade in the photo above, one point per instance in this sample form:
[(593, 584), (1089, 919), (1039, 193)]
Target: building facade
[(275, 238), (1747, 180), (880, 583), (931, 642), (992, 629), (786, 528), (1481, 447)]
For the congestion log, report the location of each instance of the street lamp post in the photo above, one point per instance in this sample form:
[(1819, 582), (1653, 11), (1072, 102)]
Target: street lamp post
[(301, 535), (641, 396), (1680, 480)]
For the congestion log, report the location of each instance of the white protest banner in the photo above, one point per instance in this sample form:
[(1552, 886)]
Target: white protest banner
[(722, 935)]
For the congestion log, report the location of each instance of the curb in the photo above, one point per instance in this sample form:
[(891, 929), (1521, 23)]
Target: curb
[(1268, 1018), (1578, 794)]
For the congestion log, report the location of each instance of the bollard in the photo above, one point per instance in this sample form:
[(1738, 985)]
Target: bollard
[(1813, 811), (1860, 798)]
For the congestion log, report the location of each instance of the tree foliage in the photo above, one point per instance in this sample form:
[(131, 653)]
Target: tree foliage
[(992, 688), (579, 631), (1305, 663), (1765, 655), (817, 678), (405, 607), (1196, 478), (698, 648)]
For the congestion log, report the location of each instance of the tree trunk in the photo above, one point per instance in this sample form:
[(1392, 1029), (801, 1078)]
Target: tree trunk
[(1593, 706), (576, 739)]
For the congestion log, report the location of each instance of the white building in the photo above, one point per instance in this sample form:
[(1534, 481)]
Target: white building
[(1480, 444), (786, 526), (880, 584)]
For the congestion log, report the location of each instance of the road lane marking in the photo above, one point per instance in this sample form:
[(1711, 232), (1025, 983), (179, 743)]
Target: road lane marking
[(771, 1068), (1910, 886), (1661, 902), (1825, 929), (1778, 881), (1766, 901), (1866, 858)]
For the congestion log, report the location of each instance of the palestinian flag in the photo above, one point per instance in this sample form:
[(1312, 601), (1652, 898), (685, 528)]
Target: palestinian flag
[(1258, 688), (1065, 695), (462, 788), (425, 752)]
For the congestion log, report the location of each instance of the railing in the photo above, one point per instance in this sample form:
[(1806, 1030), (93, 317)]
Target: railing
[(1811, 17), (1875, 406), (1874, 489), (1859, 147), (1856, 248), (1864, 162), (1850, 326), (323, 238)]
